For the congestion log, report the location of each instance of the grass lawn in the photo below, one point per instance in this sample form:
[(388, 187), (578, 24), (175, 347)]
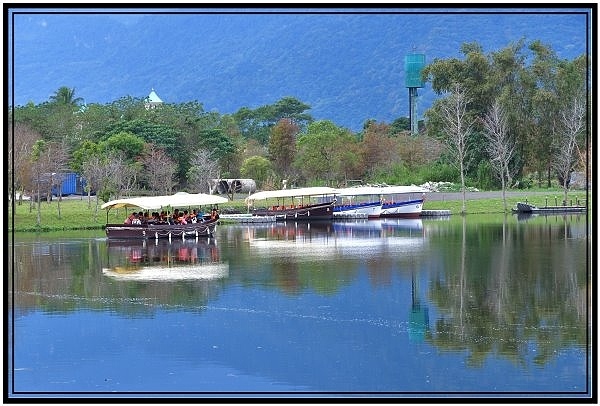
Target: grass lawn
[(78, 214)]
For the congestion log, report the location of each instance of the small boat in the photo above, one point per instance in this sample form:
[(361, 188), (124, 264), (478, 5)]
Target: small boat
[(303, 204), (530, 208), (156, 230), (357, 201), (402, 201)]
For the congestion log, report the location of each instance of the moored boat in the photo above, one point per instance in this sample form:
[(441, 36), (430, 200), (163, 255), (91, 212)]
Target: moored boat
[(530, 208), (303, 204), (359, 200), (203, 227), (402, 201)]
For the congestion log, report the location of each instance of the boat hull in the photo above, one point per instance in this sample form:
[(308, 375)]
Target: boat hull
[(314, 212), (370, 209), (158, 231), (405, 209)]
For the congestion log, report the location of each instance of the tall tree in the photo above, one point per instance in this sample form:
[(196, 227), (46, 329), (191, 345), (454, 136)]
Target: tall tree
[(40, 163), (21, 139), (545, 107), (66, 96), (204, 166), (327, 153), (158, 170), (258, 168), (257, 123), (60, 121), (379, 150), (572, 123), (58, 166), (459, 128), (282, 146), (500, 146)]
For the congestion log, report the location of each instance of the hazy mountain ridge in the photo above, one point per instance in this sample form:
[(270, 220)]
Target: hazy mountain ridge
[(348, 68)]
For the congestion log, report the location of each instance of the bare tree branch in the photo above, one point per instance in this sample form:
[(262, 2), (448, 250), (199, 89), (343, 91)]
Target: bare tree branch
[(204, 167), (572, 122), (499, 147), (458, 130), (159, 170)]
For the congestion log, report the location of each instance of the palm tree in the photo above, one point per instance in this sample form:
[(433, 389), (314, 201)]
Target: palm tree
[(66, 96)]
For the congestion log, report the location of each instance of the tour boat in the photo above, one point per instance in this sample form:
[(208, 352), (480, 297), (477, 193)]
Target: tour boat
[(202, 228), (303, 204), (358, 201), (402, 201)]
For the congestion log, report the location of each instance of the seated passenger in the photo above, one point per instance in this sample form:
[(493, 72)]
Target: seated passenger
[(129, 219)]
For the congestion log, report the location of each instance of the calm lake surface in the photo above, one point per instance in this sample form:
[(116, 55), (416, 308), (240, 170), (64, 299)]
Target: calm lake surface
[(465, 307)]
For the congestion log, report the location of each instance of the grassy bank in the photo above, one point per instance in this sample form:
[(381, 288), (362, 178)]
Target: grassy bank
[(78, 214)]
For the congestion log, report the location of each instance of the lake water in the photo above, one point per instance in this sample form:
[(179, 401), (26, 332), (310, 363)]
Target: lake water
[(465, 307)]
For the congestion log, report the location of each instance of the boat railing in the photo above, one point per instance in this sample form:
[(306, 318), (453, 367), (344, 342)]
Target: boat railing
[(579, 202)]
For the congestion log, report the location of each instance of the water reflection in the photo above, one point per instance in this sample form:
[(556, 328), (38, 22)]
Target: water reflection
[(162, 260), (357, 239), (392, 305), (505, 289)]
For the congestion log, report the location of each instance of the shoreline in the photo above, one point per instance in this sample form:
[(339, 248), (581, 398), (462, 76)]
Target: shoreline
[(482, 202)]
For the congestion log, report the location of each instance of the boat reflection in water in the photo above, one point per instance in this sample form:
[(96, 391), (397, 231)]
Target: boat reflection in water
[(162, 260), (348, 238)]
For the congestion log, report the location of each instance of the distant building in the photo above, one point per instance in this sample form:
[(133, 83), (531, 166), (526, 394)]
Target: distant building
[(152, 101)]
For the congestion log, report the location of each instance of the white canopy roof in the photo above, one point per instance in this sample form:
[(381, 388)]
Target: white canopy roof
[(379, 190), (181, 199), (359, 191), (388, 190), (307, 191)]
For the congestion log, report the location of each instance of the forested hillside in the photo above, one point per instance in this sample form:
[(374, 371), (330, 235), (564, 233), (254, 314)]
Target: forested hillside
[(347, 67)]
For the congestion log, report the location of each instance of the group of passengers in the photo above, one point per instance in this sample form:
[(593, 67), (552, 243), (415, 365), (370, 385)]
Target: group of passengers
[(177, 217)]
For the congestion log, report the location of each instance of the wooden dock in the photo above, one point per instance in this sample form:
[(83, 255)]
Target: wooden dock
[(247, 218)]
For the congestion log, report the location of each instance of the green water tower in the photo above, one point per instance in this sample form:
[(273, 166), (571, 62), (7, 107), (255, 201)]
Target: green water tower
[(413, 66)]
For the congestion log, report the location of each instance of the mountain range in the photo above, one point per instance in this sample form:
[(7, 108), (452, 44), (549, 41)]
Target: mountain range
[(347, 64)]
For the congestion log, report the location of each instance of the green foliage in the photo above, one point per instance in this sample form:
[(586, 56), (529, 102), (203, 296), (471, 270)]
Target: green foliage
[(106, 193), (217, 142), (38, 149), (161, 135), (256, 167), (397, 174), (282, 146), (130, 145), (326, 152), (400, 174), (85, 151), (531, 83), (399, 125), (66, 96), (440, 172), (256, 124), (486, 179)]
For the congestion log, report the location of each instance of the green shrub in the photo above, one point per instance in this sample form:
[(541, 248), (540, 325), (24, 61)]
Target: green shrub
[(440, 172), (486, 178)]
